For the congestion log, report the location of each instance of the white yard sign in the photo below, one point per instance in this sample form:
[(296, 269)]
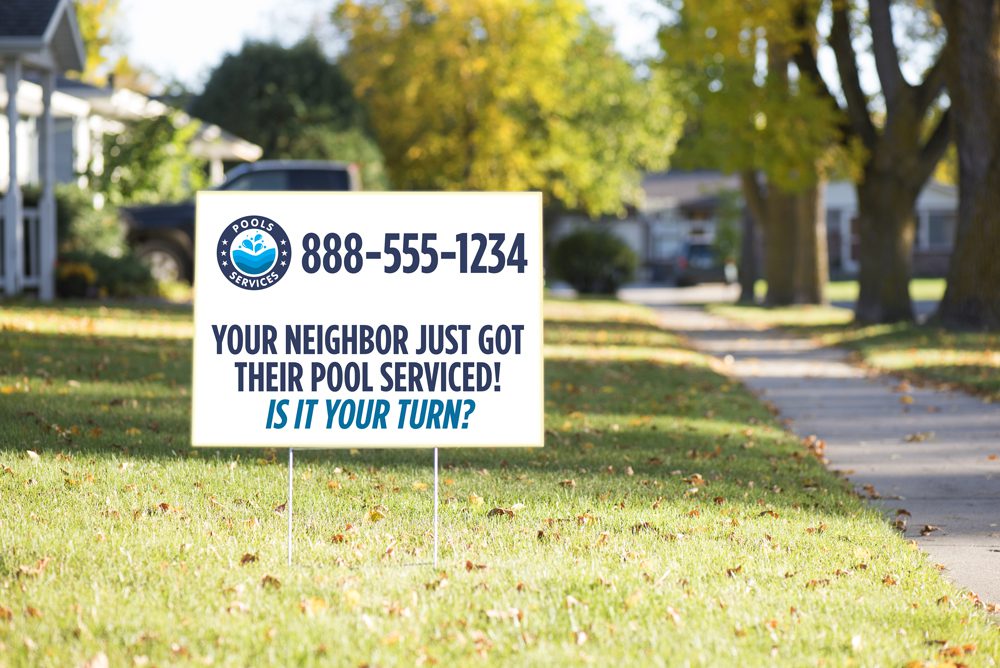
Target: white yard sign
[(368, 320)]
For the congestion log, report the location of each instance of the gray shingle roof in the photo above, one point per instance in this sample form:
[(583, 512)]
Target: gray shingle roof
[(25, 18)]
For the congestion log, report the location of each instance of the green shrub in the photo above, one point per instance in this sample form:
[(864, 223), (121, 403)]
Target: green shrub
[(120, 277), (593, 261), (82, 228)]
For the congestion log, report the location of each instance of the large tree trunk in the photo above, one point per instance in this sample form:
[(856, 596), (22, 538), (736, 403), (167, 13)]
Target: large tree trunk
[(779, 247), (900, 153), (972, 296), (885, 211), (811, 260), (794, 228)]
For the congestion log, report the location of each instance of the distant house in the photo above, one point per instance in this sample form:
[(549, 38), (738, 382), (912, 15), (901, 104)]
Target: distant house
[(53, 131), (680, 206)]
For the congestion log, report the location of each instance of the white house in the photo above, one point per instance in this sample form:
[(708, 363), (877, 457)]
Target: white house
[(53, 130), (41, 37), (680, 206)]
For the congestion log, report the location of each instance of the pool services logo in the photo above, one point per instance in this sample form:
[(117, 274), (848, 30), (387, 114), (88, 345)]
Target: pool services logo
[(254, 252)]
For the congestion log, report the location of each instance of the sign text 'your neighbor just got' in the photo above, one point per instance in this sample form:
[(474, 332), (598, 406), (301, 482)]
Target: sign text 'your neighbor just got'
[(368, 320)]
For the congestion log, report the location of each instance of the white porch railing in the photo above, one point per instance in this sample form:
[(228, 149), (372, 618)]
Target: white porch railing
[(31, 269)]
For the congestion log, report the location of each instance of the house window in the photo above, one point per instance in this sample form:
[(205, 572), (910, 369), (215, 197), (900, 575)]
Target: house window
[(940, 229)]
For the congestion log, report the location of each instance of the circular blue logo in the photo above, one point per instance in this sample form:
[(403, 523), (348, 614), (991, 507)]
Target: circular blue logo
[(254, 252)]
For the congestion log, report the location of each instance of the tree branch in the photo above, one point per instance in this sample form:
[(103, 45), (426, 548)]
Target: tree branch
[(935, 147), (805, 60), (934, 81), (847, 68), (884, 49)]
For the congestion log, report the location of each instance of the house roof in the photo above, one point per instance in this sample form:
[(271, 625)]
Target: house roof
[(44, 32), (26, 18), (667, 190)]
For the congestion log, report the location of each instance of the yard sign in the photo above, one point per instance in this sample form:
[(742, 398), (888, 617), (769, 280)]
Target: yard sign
[(368, 320)]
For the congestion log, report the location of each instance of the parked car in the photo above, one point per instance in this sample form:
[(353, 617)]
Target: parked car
[(698, 262), (163, 234)]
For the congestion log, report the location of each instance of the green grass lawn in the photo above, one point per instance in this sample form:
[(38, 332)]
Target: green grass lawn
[(924, 354), (921, 289), (669, 520)]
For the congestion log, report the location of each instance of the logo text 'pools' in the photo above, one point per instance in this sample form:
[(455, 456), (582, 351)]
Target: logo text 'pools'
[(254, 252)]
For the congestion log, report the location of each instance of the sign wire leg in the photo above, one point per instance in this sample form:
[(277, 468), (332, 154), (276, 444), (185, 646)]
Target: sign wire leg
[(290, 460), (435, 507)]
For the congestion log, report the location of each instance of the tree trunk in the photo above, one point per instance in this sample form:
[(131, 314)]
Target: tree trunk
[(794, 228), (972, 296), (748, 259), (780, 248), (811, 261), (886, 222)]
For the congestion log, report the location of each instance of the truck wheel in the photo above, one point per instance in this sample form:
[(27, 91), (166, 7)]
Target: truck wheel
[(166, 262)]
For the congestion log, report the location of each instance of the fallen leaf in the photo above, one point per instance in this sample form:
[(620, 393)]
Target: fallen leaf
[(732, 572), (270, 581), (34, 571), (247, 558), (500, 512), (469, 566), (673, 615), (475, 500), (929, 529), (237, 607), (312, 605), (376, 514), (889, 580), (418, 486), (919, 437), (99, 660), (695, 479), (568, 483)]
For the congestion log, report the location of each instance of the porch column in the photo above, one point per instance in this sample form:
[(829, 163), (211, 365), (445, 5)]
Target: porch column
[(13, 236), (47, 206), (216, 174)]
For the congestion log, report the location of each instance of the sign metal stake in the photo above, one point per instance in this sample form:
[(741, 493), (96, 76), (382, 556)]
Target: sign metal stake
[(435, 507), (290, 459)]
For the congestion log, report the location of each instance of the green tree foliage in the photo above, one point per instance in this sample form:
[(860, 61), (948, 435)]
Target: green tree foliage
[(506, 95), (749, 114), (99, 30), (293, 102), (151, 162)]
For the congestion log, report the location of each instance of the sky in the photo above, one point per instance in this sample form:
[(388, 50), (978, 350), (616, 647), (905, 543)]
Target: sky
[(182, 40)]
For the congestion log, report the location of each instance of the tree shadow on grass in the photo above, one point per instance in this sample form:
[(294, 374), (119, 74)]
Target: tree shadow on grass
[(130, 398)]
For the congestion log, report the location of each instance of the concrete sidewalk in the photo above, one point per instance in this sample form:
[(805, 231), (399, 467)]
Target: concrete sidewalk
[(931, 457)]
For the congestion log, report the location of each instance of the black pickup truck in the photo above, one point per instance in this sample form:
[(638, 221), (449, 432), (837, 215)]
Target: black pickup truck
[(163, 235)]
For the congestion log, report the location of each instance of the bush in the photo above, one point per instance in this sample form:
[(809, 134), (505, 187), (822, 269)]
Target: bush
[(94, 257), (82, 228), (97, 274), (593, 261)]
